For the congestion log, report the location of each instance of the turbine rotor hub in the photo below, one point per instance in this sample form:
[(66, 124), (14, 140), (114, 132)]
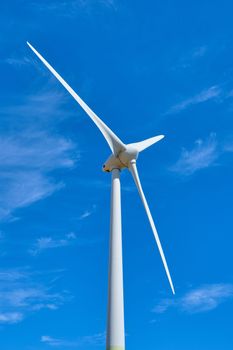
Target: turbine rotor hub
[(131, 153), (122, 160)]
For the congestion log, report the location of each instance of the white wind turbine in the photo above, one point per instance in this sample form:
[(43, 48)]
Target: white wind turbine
[(123, 156)]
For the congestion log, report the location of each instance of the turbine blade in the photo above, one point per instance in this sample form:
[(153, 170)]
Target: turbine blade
[(140, 146), (114, 142), (133, 169)]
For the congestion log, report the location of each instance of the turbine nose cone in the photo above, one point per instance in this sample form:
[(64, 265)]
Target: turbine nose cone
[(105, 168)]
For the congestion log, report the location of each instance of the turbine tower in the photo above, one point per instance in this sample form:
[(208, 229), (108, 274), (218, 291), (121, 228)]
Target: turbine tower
[(123, 156)]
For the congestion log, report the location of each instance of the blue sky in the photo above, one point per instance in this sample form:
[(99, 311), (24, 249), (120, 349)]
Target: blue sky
[(160, 67)]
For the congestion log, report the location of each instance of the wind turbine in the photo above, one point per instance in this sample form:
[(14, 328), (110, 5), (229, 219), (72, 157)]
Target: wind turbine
[(123, 156)]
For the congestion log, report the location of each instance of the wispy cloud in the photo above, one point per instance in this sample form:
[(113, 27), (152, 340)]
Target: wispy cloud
[(30, 151), (211, 93), (12, 275), (11, 317), (54, 341), (202, 155), (91, 340), (191, 57), (22, 293), (36, 148), (70, 8), (87, 213), (26, 161), (199, 51), (17, 61), (37, 108), (45, 243), (202, 299), (228, 146)]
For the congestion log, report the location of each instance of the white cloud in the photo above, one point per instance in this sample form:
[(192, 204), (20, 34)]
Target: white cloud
[(39, 149), (94, 339), (228, 146), (12, 275), (23, 293), (18, 61), (91, 340), (202, 299), (25, 163), (45, 243), (10, 317), (71, 235), (202, 155), (52, 341), (199, 51), (87, 213), (230, 94), (24, 189), (93, 3), (212, 93), (29, 153), (56, 342), (191, 57), (70, 8), (38, 108)]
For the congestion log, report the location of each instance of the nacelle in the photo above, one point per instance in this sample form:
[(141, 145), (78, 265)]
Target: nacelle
[(111, 163), (122, 160)]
